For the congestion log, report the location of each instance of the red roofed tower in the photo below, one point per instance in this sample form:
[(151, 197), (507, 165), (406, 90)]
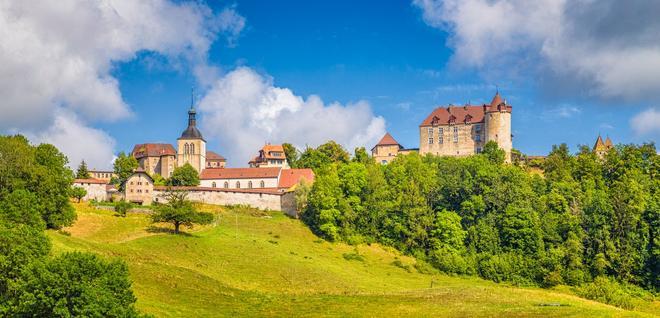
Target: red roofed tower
[(498, 124)]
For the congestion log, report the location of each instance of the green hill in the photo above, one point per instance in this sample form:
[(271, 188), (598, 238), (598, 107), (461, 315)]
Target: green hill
[(252, 263)]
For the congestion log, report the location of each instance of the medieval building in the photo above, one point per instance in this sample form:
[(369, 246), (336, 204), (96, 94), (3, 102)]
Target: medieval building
[(387, 149), (601, 148), (270, 156)]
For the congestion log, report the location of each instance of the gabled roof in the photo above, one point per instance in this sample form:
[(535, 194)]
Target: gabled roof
[(153, 150), (290, 177), (210, 155), (239, 173), (608, 142), (387, 140)]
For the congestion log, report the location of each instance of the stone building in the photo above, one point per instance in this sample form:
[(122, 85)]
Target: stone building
[(464, 130), (270, 156), (104, 175), (96, 189), (387, 149), (138, 188), (156, 158), (214, 160), (601, 148)]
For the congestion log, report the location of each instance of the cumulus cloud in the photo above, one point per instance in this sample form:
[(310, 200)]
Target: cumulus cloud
[(646, 122), (562, 111), (606, 48), (244, 109), (57, 57)]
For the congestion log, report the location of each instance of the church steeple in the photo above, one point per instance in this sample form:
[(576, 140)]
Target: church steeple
[(192, 132)]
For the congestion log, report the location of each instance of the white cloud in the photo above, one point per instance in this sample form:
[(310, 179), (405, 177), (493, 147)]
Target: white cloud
[(606, 48), (57, 57), (562, 111), (244, 109), (646, 122), (78, 141)]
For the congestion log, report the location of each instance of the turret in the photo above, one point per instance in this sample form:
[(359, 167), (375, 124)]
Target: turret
[(498, 124)]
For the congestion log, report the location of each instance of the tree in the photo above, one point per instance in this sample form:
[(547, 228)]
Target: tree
[(21, 207), (185, 175), (493, 152), (159, 180), (82, 172), (179, 211), (122, 207), (334, 151), (20, 245), (291, 154), (303, 188), (78, 193), (360, 155), (124, 166), (74, 285)]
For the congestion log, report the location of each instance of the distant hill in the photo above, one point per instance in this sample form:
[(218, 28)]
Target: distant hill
[(253, 263)]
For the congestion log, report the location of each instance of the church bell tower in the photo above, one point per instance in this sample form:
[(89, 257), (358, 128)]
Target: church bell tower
[(191, 146)]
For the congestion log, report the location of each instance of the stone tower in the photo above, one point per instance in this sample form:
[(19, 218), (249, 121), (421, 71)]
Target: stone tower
[(191, 146), (498, 124)]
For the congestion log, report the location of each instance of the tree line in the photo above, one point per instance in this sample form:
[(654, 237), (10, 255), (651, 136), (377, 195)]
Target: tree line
[(35, 184), (584, 219)]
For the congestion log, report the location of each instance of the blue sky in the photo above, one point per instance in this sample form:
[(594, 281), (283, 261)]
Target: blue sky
[(398, 58)]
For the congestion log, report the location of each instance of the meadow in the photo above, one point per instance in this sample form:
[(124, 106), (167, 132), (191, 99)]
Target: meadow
[(256, 263)]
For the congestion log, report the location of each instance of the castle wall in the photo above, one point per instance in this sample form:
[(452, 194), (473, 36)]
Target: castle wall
[(470, 139), (265, 201), (256, 183), (95, 191)]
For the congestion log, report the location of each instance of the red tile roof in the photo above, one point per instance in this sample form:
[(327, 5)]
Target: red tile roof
[(254, 190), (153, 150), (239, 173), (210, 155), (455, 114), (465, 114), (290, 177), (387, 140), (90, 180)]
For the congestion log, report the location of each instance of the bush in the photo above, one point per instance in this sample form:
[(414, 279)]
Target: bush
[(355, 256), (508, 267), (122, 207), (607, 290), (449, 260)]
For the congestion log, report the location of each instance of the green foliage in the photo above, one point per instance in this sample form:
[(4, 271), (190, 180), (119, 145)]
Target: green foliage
[(185, 175), (122, 207), (124, 166), (493, 152), (75, 285), (322, 156), (301, 192), (82, 172), (360, 155), (179, 211), (78, 193), (291, 154), (21, 207), (587, 217), (40, 170), (159, 180), (609, 291), (20, 245)]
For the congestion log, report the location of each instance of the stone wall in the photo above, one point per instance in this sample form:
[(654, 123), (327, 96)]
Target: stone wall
[(385, 154), (264, 200), (256, 183), (471, 138), (95, 191)]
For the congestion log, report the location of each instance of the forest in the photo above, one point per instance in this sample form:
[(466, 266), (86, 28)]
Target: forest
[(580, 220)]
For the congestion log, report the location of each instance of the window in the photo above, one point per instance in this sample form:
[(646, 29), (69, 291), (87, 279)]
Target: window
[(455, 134), (430, 133), (186, 149), (226, 184), (383, 161), (249, 184), (262, 184), (477, 137), (440, 133), (477, 128), (238, 184), (478, 149), (131, 182), (192, 149), (147, 190), (213, 185)]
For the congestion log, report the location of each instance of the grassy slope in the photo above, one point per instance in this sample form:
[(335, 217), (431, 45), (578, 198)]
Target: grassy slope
[(270, 265)]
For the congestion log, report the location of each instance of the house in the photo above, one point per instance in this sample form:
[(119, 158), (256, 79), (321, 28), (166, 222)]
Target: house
[(270, 156), (96, 189), (387, 149)]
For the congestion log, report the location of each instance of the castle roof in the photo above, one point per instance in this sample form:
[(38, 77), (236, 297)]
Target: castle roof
[(153, 150), (210, 155), (387, 140), (608, 142), (599, 143), (90, 181), (451, 114)]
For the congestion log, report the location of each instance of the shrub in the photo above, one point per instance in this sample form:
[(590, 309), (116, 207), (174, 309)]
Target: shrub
[(122, 207), (353, 257), (609, 291), (449, 260)]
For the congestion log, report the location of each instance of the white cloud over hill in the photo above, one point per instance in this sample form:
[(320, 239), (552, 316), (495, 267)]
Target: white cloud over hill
[(244, 109), (56, 59)]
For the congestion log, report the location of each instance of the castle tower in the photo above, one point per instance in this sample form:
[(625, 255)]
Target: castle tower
[(498, 124), (191, 146)]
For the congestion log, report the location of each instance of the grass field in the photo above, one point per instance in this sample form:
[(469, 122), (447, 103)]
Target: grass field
[(252, 263)]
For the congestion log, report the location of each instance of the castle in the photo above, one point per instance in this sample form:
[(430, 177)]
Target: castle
[(457, 131)]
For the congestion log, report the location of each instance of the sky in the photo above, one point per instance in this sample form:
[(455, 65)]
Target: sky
[(97, 77)]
